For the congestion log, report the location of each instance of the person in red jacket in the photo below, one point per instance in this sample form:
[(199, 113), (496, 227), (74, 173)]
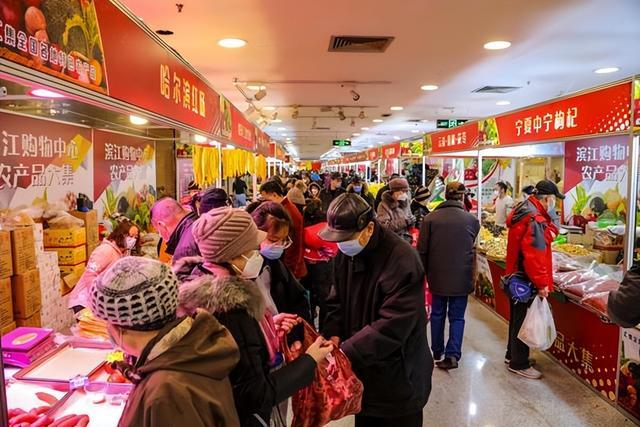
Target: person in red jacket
[(294, 255), (531, 232)]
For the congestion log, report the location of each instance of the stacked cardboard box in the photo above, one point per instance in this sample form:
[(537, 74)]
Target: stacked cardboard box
[(54, 313), (38, 237), (25, 282), (90, 219), (6, 270), (70, 244)]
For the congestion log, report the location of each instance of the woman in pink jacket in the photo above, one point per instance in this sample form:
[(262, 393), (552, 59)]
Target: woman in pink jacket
[(120, 243)]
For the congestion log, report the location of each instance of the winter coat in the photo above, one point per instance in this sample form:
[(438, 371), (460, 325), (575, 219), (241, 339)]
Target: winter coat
[(395, 215), (293, 256), (379, 194), (419, 211), (376, 307), (184, 375), (287, 292), (182, 244), (239, 305), (447, 248), (624, 304), (100, 259), (531, 233), (364, 193), (327, 196)]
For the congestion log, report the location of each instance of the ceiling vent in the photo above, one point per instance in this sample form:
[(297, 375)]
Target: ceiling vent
[(359, 44), (321, 128), (496, 89)]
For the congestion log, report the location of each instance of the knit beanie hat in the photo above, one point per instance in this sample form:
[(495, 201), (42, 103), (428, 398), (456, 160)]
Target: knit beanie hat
[(422, 195), (295, 196), (136, 293), (226, 233), (213, 198), (398, 184)]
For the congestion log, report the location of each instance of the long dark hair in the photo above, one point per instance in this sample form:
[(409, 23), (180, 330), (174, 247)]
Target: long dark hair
[(121, 232)]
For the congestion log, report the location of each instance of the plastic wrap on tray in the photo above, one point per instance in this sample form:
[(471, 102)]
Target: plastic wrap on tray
[(565, 262), (597, 301), (601, 284), (568, 278)]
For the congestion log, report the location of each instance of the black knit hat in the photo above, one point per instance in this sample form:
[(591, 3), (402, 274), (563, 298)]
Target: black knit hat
[(213, 198)]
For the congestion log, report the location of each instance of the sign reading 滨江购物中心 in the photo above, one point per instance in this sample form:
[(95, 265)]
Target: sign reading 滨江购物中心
[(341, 143), (449, 123)]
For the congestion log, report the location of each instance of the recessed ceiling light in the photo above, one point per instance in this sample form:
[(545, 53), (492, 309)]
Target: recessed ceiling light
[(200, 138), (425, 121), (288, 139), (396, 138), (284, 134), (370, 146), (364, 128), (503, 103), (429, 87), (230, 146), (415, 131), (396, 108), (268, 108), (276, 121), (497, 45), (232, 43), (355, 134), (606, 70), (136, 120), (45, 93), (281, 129), (378, 120), (256, 87)]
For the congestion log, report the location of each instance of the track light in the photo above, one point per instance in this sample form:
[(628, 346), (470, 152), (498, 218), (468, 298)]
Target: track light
[(275, 116), (341, 115), (361, 116), (354, 95), (353, 122), (260, 94), (295, 114)]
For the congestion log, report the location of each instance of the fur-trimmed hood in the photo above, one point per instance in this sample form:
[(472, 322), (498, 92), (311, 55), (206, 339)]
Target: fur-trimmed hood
[(217, 294)]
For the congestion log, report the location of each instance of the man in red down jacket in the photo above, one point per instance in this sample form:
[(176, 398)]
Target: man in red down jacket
[(531, 232)]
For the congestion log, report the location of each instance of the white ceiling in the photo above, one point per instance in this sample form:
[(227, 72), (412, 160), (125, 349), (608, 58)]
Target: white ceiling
[(556, 45)]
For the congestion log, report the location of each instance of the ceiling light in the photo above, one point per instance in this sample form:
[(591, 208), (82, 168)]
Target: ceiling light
[(276, 121), (232, 43), (288, 139), (295, 113), (429, 87), (268, 108), (396, 138), (281, 129), (231, 146), (355, 134), (415, 131), (378, 120), (353, 122), (497, 45), (370, 146), (136, 120), (424, 121), (361, 116), (259, 96), (606, 70), (396, 108), (341, 115), (284, 134), (503, 103), (256, 87), (364, 128), (45, 93), (199, 138)]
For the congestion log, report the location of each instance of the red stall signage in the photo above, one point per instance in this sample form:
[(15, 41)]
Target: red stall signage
[(262, 143), (391, 151), (361, 157), (242, 133), (600, 112), (460, 138), (373, 154)]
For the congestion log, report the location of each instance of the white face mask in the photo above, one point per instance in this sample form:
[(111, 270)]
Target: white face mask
[(252, 267), (403, 197), (130, 242), (551, 204)]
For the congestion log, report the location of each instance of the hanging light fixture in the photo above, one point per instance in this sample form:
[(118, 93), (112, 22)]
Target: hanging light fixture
[(341, 115), (296, 113), (353, 122), (361, 116)]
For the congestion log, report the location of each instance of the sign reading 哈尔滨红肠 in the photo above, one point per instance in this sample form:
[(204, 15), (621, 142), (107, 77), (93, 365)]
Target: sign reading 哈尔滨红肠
[(602, 111), (449, 123)]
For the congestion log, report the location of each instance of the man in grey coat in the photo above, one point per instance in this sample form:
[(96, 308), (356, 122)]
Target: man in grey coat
[(447, 248)]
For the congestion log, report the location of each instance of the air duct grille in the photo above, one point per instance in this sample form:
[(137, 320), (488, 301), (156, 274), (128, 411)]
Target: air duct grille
[(496, 89), (359, 44)]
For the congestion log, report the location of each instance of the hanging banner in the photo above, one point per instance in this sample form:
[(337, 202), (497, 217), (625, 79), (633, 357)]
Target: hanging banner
[(411, 148), (373, 154), (599, 112), (596, 179), (243, 132), (636, 101), (43, 161), (461, 138), (262, 143), (391, 151), (124, 176), (629, 380), (185, 175), (361, 157)]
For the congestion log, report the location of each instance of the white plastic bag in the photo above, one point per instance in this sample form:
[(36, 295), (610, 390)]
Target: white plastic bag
[(538, 330)]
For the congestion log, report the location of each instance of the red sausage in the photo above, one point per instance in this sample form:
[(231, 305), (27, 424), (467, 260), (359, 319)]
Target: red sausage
[(47, 398), (84, 421), (59, 421), (22, 418), (43, 421), (14, 412), (71, 422)]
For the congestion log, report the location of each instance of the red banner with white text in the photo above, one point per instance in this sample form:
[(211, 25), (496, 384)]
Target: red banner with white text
[(460, 138)]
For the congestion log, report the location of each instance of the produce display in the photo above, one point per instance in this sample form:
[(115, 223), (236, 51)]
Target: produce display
[(38, 417), (493, 242), (572, 249)]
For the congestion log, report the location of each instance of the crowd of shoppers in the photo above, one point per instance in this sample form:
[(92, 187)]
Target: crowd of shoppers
[(208, 335)]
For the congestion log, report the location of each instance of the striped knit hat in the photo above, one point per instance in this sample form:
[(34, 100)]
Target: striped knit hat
[(136, 293), (226, 233), (422, 195)]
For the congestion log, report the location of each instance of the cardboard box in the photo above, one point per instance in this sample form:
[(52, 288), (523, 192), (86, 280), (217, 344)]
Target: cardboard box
[(6, 264), (64, 237), (72, 269), (90, 224), (6, 302), (38, 232), (33, 321), (71, 256), (10, 327), (27, 297), (23, 249)]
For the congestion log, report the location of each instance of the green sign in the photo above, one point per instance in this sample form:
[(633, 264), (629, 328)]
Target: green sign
[(341, 143), (449, 123)]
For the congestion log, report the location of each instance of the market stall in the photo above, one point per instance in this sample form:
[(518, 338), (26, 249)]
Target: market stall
[(583, 143)]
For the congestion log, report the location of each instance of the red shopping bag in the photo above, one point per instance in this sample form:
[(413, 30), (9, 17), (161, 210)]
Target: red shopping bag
[(335, 393), (427, 299)]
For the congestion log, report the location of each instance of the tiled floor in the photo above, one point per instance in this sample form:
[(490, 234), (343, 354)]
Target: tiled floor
[(483, 393)]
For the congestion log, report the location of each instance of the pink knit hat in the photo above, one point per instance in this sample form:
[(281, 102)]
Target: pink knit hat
[(226, 233)]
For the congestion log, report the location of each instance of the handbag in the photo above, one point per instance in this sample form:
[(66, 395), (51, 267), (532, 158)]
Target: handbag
[(335, 393), (518, 287)]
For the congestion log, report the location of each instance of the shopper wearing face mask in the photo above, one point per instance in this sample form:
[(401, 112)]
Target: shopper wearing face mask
[(182, 363), (360, 187), (376, 314), (121, 242), (223, 283), (394, 212), (531, 232)]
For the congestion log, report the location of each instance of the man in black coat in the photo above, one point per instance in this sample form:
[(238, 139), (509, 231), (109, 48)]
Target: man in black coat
[(447, 248), (376, 313), (329, 194), (624, 304)]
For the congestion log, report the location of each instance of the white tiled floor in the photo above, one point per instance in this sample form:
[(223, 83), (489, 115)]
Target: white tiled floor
[(483, 393)]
